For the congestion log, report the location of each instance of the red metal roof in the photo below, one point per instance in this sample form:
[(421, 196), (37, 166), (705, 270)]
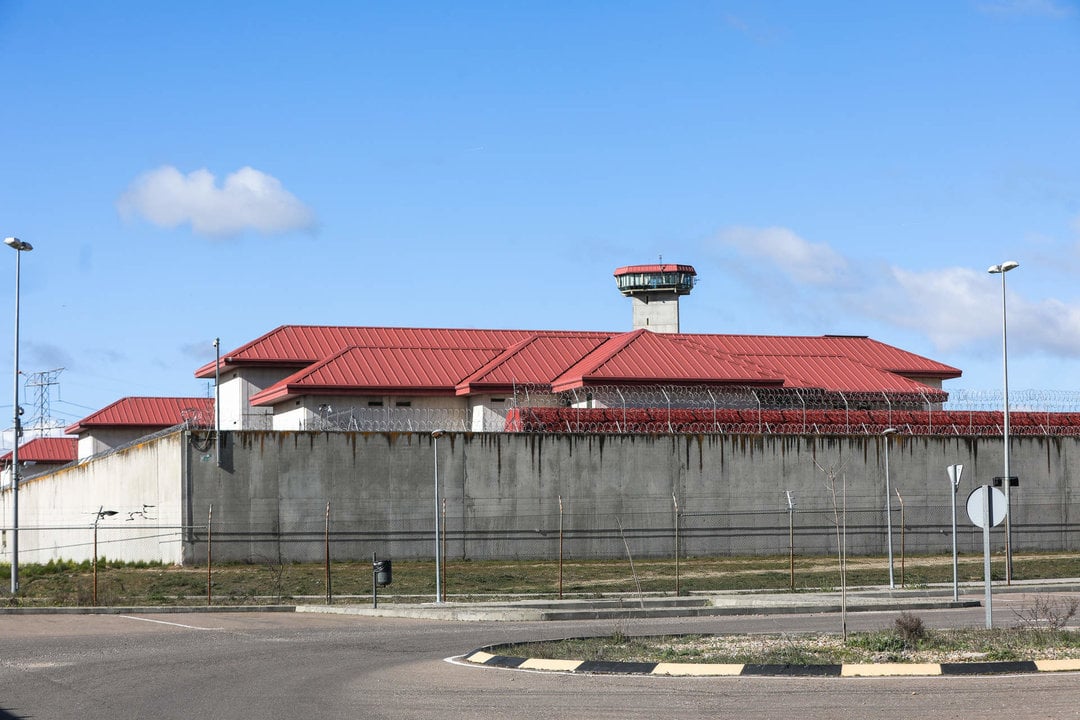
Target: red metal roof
[(659, 268), (863, 349), (301, 345), (52, 450), (149, 412), (646, 357), (362, 360), (838, 373), (381, 370), (538, 360)]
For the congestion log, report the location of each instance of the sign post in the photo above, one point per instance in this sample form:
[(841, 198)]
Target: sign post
[(955, 471), (986, 507)]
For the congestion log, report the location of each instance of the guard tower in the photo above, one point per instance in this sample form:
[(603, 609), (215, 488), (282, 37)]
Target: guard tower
[(655, 291)]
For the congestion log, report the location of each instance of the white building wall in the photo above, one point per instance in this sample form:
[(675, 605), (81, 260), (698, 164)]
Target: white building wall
[(143, 484), (488, 412), (375, 412), (101, 440), (237, 388)]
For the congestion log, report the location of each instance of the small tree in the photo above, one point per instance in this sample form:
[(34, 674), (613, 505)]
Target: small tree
[(840, 523)]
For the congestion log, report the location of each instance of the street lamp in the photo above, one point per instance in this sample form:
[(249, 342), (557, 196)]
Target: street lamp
[(102, 512), (888, 432), (1001, 270), (19, 247), (435, 435)]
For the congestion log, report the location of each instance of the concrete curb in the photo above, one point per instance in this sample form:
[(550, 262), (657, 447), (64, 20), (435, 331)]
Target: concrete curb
[(589, 667), (145, 610)]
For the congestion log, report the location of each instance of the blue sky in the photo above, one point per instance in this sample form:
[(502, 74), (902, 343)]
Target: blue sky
[(206, 169)]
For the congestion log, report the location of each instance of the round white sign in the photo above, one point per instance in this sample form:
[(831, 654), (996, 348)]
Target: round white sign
[(979, 496)]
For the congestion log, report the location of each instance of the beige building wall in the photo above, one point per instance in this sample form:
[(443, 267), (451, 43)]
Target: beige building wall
[(141, 484)]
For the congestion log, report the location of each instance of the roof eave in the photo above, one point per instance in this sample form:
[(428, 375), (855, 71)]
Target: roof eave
[(279, 393)]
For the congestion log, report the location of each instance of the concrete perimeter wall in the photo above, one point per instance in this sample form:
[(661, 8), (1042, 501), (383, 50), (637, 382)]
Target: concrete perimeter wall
[(503, 491), (502, 494), (142, 484)]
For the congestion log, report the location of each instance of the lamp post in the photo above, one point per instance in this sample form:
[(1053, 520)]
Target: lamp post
[(888, 432), (19, 247), (1001, 270), (438, 524), (217, 401), (102, 512)]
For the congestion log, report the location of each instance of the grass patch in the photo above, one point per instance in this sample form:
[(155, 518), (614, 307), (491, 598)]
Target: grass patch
[(265, 581), (954, 645)]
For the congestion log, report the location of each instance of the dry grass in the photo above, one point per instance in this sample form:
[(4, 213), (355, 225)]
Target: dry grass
[(267, 582)]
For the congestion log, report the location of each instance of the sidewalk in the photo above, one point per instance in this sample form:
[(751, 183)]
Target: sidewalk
[(860, 599)]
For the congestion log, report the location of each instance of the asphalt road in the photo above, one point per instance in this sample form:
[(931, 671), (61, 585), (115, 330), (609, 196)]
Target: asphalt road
[(278, 665)]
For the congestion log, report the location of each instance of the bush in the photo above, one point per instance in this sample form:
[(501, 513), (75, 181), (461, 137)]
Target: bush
[(910, 628)]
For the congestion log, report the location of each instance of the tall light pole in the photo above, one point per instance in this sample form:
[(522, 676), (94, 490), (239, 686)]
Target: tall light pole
[(19, 247), (1001, 270), (888, 433), (217, 401), (438, 552)]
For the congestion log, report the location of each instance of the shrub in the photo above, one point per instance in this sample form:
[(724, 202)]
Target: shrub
[(910, 628)]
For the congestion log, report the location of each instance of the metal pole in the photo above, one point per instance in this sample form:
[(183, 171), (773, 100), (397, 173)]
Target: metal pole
[(791, 548), (888, 507), (20, 247), (329, 594), (96, 518), (444, 547), (1001, 270), (677, 585), (560, 546), (217, 401), (903, 529), (209, 551), (955, 472), (438, 552), (1005, 426), (988, 501), (955, 563), (791, 540)]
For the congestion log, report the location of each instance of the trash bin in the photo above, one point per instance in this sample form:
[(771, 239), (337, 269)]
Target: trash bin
[(384, 573)]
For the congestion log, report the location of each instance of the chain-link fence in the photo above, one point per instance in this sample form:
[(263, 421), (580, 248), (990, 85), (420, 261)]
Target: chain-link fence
[(647, 526)]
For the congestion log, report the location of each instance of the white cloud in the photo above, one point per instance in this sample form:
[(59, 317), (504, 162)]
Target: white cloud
[(248, 200), (952, 306), (803, 261), (956, 308)]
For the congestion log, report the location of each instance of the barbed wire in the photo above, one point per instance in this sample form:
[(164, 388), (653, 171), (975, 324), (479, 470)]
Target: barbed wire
[(663, 409), (701, 396), (700, 409), (1030, 400), (396, 419)]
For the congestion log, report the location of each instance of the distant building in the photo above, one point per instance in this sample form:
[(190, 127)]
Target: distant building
[(131, 418), (39, 456), (301, 376), (655, 291), (370, 378)]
